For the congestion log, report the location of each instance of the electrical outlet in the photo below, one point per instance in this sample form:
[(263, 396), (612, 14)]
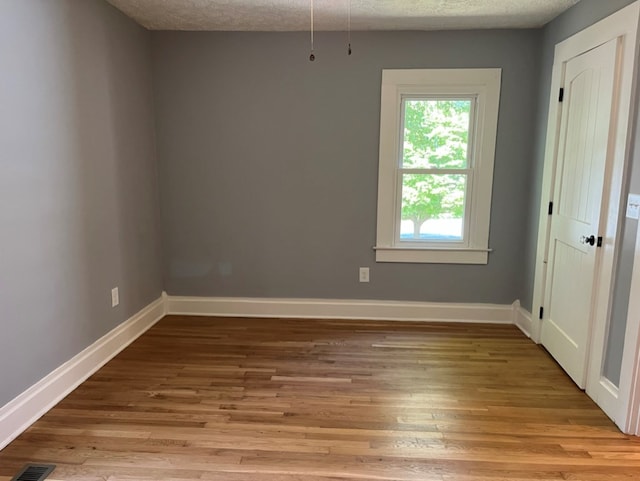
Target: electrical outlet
[(115, 297), (364, 274)]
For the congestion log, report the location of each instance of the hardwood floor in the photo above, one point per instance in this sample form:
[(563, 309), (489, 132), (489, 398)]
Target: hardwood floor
[(290, 400)]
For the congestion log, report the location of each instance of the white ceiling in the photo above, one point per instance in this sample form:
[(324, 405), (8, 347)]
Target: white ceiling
[(293, 15)]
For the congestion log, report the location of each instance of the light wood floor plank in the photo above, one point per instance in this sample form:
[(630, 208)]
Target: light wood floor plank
[(322, 400)]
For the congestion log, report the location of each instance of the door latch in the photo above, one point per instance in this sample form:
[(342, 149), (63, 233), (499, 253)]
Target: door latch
[(591, 240)]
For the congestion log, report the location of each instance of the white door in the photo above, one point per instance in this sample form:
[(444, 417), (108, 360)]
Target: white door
[(589, 84)]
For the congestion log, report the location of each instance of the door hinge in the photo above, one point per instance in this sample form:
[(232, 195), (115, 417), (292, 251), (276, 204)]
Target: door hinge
[(541, 312), (550, 208), (599, 242), (561, 96)]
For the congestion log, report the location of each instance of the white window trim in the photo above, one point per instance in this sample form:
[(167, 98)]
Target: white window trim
[(484, 85)]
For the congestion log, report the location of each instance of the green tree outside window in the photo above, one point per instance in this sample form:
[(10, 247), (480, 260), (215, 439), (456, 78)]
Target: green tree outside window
[(436, 136)]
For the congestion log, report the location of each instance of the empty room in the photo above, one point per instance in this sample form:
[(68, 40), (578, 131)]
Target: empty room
[(319, 240)]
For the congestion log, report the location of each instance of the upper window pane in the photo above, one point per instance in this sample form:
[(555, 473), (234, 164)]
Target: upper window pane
[(436, 133)]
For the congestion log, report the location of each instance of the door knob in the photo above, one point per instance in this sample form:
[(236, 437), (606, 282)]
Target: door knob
[(590, 240)]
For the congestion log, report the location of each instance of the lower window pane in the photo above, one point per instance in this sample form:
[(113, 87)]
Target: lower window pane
[(432, 207)]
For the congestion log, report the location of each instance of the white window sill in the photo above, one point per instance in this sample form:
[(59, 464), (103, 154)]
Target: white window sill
[(439, 255)]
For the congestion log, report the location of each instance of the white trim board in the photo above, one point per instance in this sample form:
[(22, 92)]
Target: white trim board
[(20, 413), (340, 309), (630, 372), (523, 319)]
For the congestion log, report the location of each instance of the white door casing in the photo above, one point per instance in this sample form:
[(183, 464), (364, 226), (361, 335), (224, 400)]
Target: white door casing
[(630, 374), (582, 157), (623, 26)]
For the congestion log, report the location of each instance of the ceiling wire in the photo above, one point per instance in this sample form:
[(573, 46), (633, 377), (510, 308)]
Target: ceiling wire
[(349, 29), (312, 57)]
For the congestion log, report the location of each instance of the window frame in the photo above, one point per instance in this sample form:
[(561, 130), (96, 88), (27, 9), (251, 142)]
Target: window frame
[(483, 85)]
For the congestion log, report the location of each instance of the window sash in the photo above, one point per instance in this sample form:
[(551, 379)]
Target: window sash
[(466, 223), (468, 172), (473, 121)]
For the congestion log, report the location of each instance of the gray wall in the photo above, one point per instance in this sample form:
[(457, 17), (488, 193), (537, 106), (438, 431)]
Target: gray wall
[(582, 15), (269, 162), (78, 183)]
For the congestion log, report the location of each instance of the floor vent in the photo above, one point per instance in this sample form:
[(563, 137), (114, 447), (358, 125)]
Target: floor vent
[(34, 472)]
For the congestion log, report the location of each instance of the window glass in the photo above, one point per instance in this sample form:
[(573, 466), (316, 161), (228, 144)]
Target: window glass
[(436, 133), (433, 207)]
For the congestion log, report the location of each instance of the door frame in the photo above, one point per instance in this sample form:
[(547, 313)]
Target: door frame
[(622, 25), (630, 373)]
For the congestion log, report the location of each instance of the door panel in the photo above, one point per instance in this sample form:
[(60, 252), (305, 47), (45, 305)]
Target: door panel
[(578, 195)]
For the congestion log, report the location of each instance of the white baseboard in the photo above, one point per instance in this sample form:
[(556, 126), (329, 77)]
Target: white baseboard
[(523, 319), (28, 407), (339, 309), (24, 410)]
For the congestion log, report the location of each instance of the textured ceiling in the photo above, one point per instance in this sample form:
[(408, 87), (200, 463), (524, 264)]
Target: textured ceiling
[(292, 15)]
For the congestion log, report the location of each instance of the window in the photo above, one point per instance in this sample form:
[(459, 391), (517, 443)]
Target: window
[(437, 145)]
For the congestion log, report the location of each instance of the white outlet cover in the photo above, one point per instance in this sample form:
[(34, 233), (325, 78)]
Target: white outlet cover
[(115, 297), (364, 274), (633, 206)]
